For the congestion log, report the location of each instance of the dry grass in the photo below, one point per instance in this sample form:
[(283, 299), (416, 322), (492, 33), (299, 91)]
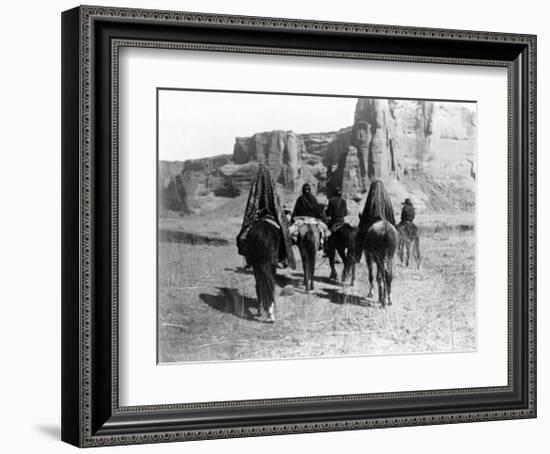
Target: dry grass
[(206, 301)]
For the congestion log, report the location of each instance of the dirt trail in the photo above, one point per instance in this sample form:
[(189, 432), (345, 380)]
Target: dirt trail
[(206, 302)]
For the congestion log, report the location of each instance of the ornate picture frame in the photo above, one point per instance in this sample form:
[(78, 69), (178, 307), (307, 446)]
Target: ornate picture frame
[(91, 40)]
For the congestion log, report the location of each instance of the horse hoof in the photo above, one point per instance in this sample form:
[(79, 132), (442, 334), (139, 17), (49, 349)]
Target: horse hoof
[(333, 276), (311, 287), (271, 314), (389, 303), (369, 295)]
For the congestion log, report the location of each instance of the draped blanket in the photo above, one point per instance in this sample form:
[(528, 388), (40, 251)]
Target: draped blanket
[(307, 206), (301, 220), (263, 201), (377, 207)]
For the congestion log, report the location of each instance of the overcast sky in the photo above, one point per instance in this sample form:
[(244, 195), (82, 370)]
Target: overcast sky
[(199, 124)]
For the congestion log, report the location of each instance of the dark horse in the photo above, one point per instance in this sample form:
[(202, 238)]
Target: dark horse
[(308, 245), (379, 245), (343, 241), (408, 238), (263, 242), (377, 238)]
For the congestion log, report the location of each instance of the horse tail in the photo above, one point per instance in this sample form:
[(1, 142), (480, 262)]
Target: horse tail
[(310, 247), (392, 239), (360, 240), (348, 240), (263, 244), (417, 249)]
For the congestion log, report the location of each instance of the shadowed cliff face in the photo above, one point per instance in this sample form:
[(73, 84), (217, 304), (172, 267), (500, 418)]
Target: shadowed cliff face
[(423, 150), (281, 151)]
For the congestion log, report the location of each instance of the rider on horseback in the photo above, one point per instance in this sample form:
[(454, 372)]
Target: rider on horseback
[(308, 211), (337, 210), (408, 234), (263, 205), (306, 205), (407, 213)]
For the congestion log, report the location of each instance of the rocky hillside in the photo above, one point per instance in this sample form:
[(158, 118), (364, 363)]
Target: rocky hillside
[(421, 149)]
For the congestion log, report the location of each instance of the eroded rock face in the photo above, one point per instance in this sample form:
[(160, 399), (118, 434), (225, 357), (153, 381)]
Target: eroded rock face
[(174, 197), (374, 135), (202, 176), (353, 182), (423, 150), (281, 151)]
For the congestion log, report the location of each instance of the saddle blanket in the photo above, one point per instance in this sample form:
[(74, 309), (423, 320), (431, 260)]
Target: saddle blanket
[(304, 220)]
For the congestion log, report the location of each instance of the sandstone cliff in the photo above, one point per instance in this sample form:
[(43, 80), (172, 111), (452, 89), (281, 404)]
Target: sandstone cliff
[(281, 151), (424, 150)]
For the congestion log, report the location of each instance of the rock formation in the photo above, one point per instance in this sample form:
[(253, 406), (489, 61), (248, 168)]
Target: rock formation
[(281, 151), (424, 150), (174, 197), (353, 183)]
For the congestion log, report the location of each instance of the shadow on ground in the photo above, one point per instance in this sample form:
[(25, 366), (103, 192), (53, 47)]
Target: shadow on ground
[(338, 296), (177, 236), (230, 301)]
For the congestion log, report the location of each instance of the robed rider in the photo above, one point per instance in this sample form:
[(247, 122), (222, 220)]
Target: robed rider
[(307, 205), (407, 213), (263, 204), (377, 207), (337, 209)]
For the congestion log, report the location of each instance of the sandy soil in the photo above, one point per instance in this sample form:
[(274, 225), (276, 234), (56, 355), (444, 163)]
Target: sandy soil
[(206, 299)]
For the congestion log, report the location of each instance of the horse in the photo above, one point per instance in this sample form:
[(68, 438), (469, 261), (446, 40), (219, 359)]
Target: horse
[(342, 240), (262, 252), (408, 236), (308, 240), (379, 243), (377, 238)]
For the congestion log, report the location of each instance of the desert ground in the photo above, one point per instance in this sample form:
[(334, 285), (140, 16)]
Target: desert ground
[(207, 299)]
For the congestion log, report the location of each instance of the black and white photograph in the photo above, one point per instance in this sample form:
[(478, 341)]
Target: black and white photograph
[(296, 225)]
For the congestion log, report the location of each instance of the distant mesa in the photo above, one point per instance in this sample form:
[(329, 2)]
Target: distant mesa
[(424, 150)]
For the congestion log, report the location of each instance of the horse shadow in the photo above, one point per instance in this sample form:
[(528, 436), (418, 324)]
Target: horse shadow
[(239, 270), (327, 280), (337, 296), (282, 280), (230, 301)]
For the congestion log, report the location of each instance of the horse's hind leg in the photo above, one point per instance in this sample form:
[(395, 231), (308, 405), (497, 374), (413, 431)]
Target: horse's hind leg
[(257, 279), (417, 252), (312, 271), (331, 252), (269, 293), (271, 311), (388, 274), (408, 246), (303, 256), (380, 279), (400, 247), (346, 260), (368, 259)]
